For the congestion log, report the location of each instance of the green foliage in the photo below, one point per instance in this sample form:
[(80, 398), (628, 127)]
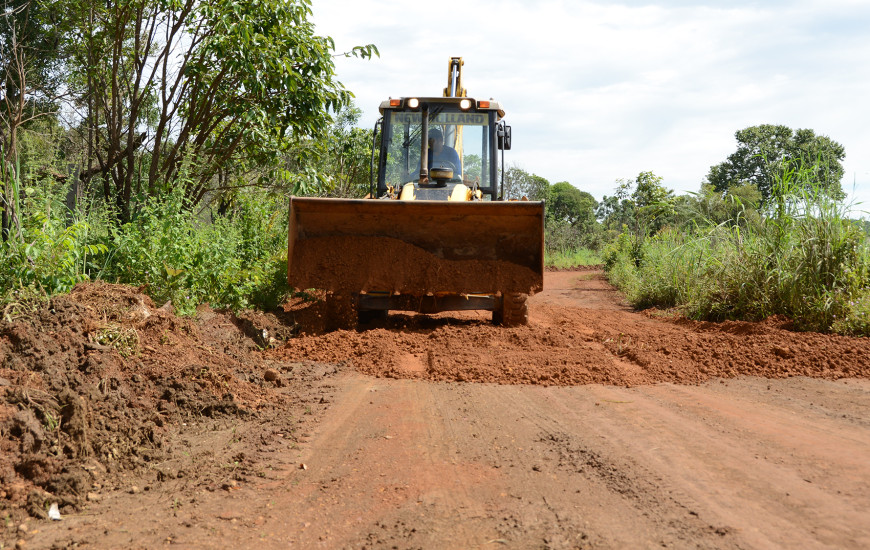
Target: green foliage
[(621, 260), (216, 92), (184, 104), (236, 261), (570, 226), (738, 205), (764, 151), (572, 205), (344, 168), (649, 191), (231, 262), (855, 318), (31, 50), (805, 260), (46, 250), (473, 166), (562, 237), (643, 204), (577, 257), (518, 184)]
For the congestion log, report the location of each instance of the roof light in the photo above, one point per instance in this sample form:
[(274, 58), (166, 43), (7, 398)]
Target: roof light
[(465, 104), (483, 104), (395, 102), (413, 103)]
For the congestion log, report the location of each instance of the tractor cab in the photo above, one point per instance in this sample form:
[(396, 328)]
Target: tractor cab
[(458, 138)]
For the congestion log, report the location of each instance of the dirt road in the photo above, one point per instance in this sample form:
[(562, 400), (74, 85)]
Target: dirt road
[(414, 459)]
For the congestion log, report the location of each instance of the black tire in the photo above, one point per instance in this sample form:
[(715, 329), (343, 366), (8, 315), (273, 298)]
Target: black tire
[(341, 312), (513, 310), (371, 315)]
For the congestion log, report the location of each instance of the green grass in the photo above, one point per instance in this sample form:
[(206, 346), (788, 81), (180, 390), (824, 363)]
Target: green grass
[(805, 259), (572, 258)]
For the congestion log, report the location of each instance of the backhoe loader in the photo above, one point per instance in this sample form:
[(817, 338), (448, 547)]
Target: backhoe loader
[(435, 233)]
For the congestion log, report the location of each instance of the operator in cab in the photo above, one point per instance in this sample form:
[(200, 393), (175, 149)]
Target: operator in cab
[(439, 154)]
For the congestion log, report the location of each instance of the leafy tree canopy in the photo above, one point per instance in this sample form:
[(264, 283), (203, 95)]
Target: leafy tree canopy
[(737, 206), (641, 201), (572, 205), (518, 184), (765, 151), (208, 94), (31, 38)]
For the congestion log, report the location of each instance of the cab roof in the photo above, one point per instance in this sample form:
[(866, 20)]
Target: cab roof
[(478, 105)]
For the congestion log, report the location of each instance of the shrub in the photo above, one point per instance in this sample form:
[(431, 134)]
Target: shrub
[(231, 262)]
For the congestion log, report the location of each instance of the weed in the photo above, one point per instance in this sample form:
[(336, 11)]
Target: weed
[(23, 303), (236, 261), (622, 345), (124, 340), (51, 423)]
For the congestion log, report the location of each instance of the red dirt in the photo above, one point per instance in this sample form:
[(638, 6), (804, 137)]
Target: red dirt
[(729, 435), (568, 346), (353, 264), (97, 381)]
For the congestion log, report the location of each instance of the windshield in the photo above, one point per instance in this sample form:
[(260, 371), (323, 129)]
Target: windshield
[(458, 141)]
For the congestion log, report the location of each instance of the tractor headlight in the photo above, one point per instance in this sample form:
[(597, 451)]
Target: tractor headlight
[(413, 103), (465, 104)]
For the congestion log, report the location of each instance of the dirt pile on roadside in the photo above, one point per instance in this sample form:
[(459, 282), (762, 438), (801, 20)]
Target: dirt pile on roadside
[(353, 264), (92, 383), (566, 345)]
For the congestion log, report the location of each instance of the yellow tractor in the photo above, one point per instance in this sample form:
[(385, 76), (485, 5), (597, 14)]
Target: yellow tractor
[(435, 233)]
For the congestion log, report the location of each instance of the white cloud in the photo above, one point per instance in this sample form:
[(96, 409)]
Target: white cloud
[(597, 91)]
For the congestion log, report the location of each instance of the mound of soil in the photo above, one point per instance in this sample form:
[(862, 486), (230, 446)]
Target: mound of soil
[(94, 383), (569, 345), (353, 264)]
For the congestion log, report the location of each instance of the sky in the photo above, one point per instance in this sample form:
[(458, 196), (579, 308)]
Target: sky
[(598, 91)]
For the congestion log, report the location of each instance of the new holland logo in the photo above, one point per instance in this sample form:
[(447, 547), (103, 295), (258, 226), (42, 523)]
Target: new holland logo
[(466, 119)]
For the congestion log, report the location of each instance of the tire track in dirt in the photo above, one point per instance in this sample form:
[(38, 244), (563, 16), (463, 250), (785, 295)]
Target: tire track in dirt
[(632, 492), (413, 459), (742, 469)]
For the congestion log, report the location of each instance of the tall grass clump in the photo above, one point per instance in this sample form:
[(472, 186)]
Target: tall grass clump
[(804, 259)]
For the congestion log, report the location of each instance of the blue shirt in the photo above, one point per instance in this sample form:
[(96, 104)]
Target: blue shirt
[(448, 154)]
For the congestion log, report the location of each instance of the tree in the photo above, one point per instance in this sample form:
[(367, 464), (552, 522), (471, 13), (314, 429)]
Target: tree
[(649, 190), (200, 93), (472, 165), (347, 163), (31, 37), (518, 184), (643, 204), (572, 205), (737, 206), (764, 151)]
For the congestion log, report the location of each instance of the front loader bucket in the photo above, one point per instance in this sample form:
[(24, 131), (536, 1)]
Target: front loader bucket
[(416, 247)]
